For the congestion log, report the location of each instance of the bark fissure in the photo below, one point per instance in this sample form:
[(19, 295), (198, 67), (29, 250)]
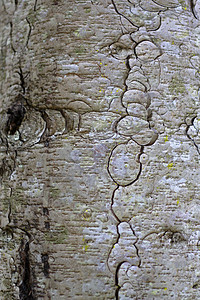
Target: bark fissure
[(29, 32), (192, 7), (35, 5), (117, 290), (120, 14), (147, 87), (46, 266), (25, 287), (11, 38), (189, 137)]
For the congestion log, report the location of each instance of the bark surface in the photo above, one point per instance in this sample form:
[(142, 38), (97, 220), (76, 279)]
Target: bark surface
[(99, 152)]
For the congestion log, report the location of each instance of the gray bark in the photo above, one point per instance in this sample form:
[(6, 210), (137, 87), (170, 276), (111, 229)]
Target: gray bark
[(99, 106)]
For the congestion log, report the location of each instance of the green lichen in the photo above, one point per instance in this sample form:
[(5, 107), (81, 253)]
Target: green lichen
[(57, 236), (80, 50), (182, 2), (32, 16), (182, 35), (7, 282), (170, 165), (7, 293), (87, 10), (177, 86), (54, 193), (18, 198)]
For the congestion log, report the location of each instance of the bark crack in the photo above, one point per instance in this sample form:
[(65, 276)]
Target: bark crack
[(189, 137), (35, 5), (25, 288), (147, 87), (122, 15), (11, 38), (117, 286), (29, 32), (46, 266), (192, 8)]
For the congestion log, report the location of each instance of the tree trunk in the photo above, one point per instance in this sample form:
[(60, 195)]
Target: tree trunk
[(99, 149)]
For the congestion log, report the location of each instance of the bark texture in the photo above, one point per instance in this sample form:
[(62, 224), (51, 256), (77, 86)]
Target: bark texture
[(99, 153)]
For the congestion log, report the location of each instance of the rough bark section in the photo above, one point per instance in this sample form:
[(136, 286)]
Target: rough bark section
[(99, 149)]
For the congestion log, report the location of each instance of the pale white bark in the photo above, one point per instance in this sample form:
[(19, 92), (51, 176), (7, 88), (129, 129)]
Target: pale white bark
[(99, 149)]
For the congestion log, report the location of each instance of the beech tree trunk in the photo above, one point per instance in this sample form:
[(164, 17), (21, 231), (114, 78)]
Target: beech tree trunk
[(99, 153)]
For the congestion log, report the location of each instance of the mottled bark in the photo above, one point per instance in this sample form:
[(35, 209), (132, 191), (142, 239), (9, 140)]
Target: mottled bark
[(99, 153)]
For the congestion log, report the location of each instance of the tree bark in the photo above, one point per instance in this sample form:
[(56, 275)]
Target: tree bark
[(99, 150)]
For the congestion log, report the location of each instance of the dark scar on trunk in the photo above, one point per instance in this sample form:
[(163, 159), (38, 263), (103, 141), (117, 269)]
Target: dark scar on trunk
[(15, 117)]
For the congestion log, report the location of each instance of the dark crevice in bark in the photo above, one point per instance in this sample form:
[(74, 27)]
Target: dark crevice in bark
[(47, 132), (35, 5), (46, 266), (15, 117), (10, 207), (16, 4), (112, 202), (128, 67), (22, 80), (47, 225), (79, 122), (69, 122), (136, 248), (189, 137), (45, 211), (159, 25), (25, 288), (11, 39), (29, 32), (136, 179), (127, 63), (120, 14), (55, 2), (117, 280), (115, 123), (116, 242), (192, 8)]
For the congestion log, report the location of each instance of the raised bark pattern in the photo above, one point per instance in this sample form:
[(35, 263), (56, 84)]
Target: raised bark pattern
[(99, 149)]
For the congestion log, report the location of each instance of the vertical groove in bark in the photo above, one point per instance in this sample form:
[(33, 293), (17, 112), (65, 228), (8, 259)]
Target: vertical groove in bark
[(26, 286)]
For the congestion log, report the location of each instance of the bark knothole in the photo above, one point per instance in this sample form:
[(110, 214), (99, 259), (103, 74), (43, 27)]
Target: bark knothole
[(15, 117)]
